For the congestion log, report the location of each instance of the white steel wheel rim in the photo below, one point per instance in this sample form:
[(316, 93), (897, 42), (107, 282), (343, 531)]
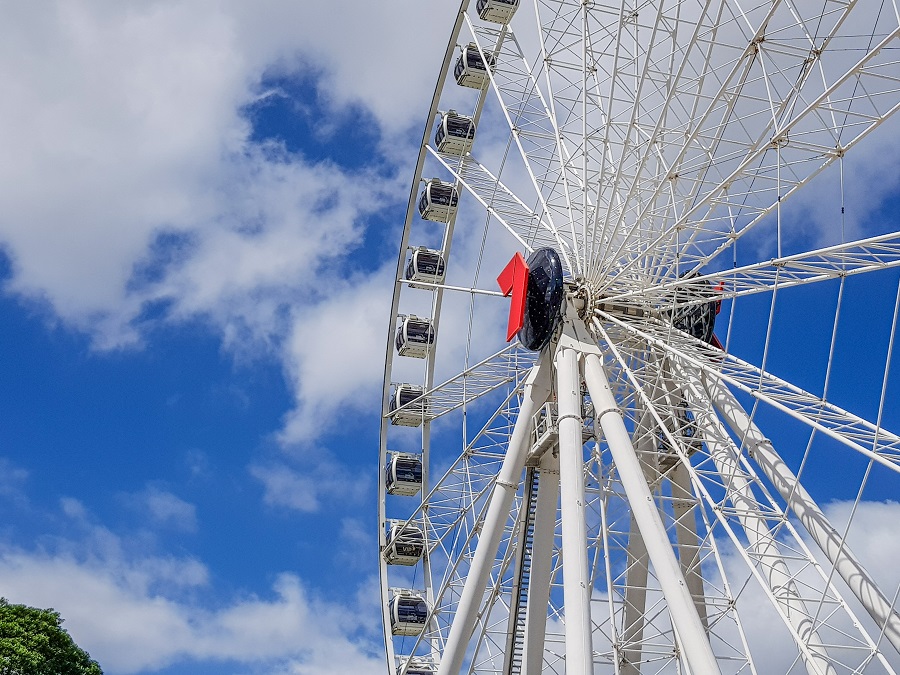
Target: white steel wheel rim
[(652, 232)]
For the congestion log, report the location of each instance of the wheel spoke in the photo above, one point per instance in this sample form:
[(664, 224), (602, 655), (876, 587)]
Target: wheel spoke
[(851, 430)]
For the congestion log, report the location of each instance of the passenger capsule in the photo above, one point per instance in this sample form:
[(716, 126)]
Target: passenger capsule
[(470, 69), (425, 265), (416, 670), (403, 475), (416, 665), (409, 613), (405, 544), (455, 134), (497, 11), (438, 201), (415, 337), (408, 406)]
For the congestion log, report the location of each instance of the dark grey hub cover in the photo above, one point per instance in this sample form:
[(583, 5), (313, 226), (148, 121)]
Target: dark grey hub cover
[(543, 299)]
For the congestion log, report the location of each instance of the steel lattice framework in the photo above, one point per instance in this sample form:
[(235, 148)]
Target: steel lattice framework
[(639, 498)]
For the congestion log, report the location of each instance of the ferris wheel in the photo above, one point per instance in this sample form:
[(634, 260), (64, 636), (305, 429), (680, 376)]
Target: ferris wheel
[(657, 455)]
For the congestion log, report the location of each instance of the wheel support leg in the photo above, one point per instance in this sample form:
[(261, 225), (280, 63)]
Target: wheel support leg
[(576, 582), (635, 602), (537, 389), (684, 506), (636, 575), (807, 511), (688, 626), (541, 565), (756, 527)]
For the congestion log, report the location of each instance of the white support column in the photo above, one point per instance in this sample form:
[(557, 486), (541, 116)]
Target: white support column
[(807, 511), (537, 389), (685, 620), (576, 582), (635, 602), (684, 507), (756, 527), (637, 572), (541, 565)]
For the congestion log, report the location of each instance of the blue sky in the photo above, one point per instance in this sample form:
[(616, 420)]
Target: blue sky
[(200, 205)]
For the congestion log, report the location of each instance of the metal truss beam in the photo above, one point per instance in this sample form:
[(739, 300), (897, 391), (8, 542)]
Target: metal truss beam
[(843, 260), (508, 365), (851, 430)]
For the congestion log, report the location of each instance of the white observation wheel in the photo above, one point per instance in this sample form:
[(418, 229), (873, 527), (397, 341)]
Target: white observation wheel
[(666, 469)]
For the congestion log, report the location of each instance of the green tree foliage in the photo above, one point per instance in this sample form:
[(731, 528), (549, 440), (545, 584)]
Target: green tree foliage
[(33, 642)]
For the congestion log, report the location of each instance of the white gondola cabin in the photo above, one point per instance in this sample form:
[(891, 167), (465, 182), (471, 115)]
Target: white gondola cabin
[(415, 337), (471, 70), (408, 407), (497, 11), (438, 201), (408, 612), (403, 475), (455, 134), (416, 670), (405, 544), (425, 265), (416, 665)]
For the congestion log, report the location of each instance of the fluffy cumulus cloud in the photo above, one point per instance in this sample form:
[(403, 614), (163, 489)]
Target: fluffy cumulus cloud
[(137, 615), (136, 611), (336, 352), (137, 192)]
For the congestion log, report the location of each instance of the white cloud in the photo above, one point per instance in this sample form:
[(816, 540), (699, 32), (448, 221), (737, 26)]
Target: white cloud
[(872, 537), (336, 354), (130, 627), (383, 55), (136, 186), (285, 487), (12, 481), (164, 508), (136, 612), (317, 479), (126, 122), (74, 509), (358, 546)]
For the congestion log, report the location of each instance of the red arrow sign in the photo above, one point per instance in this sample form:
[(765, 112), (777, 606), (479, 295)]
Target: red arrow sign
[(514, 280)]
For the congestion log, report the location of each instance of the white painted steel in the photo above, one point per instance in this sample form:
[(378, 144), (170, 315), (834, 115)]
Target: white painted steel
[(877, 444), (758, 530), (576, 583), (823, 593), (630, 653), (807, 511), (537, 388), (629, 658), (541, 564), (643, 142), (684, 507), (688, 626)]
